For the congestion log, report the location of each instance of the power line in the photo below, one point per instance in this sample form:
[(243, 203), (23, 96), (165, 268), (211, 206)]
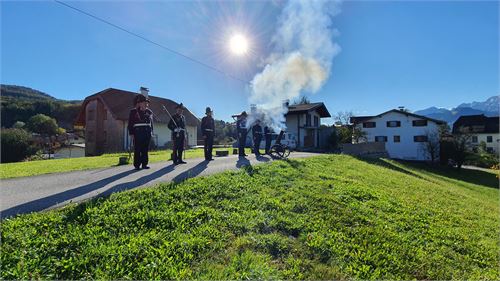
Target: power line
[(153, 42)]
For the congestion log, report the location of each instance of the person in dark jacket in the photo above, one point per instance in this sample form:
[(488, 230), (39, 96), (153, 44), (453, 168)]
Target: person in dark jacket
[(241, 127), (178, 127), (140, 128), (268, 134), (257, 137), (207, 131)]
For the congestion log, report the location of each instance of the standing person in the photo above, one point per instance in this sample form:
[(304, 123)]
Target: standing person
[(268, 133), (257, 137), (241, 126), (178, 127), (140, 128), (207, 131)]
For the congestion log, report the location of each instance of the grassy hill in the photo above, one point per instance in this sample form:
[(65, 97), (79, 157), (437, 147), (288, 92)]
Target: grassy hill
[(328, 217)]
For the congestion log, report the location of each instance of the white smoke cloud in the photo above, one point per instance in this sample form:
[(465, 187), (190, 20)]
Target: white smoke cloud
[(301, 60)]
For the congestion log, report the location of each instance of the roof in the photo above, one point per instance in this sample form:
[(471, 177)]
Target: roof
[(481, 124), (119, 103), (306, 107), (360, 119)]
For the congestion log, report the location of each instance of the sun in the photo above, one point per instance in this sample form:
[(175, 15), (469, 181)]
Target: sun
[(238, 44)]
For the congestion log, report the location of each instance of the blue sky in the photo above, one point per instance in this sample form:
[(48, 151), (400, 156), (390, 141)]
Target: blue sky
[(415, 54)]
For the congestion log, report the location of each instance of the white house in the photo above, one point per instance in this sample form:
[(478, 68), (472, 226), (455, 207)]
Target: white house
[(304, 120), (482, 129), (404, 133)]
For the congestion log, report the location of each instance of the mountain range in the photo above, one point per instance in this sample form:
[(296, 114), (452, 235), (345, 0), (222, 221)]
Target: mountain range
[(490, 107)]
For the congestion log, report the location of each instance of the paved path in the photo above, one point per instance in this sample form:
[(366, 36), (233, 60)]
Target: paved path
[(29, 194)]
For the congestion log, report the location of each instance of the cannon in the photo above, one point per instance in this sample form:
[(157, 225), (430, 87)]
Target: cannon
[(279, 150)]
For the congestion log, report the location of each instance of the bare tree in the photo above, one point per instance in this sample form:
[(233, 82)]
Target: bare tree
[(431, 146), (461, 142), (343, 117)]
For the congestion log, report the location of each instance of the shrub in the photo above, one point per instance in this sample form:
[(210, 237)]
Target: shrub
[(16, 145)]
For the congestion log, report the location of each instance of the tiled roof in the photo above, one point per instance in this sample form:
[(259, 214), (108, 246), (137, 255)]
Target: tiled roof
[(119, 103), (301, 108), (477, 124), (359, 119)]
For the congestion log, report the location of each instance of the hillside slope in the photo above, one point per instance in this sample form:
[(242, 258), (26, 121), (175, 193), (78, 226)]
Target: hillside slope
[(328, 217)]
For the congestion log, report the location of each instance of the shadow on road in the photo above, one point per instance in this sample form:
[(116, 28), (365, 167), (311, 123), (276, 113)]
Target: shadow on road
[(193, 172), (52, 200)]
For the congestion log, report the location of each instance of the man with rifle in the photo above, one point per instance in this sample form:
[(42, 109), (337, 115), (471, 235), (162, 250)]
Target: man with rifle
[(177, 125), (207, 131)]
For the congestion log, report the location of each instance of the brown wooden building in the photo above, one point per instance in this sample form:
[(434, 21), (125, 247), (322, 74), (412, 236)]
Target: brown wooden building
[(105, 116)]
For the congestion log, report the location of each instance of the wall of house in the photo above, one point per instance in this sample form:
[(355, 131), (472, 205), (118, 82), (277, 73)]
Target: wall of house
[(494, 145), (300, 133), (90, 128), (407, 148)]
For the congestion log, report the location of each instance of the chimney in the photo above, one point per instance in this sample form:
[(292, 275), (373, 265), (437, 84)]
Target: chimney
[(286, 103), (144, 91)]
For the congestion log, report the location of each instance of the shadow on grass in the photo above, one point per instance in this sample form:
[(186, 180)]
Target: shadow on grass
[(435, 170)]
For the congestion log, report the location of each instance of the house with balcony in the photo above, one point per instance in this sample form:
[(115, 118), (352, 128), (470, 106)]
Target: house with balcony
[(403, 133), (304, 121), (481, 129)]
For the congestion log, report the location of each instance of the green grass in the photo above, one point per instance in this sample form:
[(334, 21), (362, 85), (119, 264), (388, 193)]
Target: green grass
[(327, 217), (39, 167)]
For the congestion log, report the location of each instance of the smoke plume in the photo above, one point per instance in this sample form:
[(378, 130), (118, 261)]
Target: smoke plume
[(301, 60)]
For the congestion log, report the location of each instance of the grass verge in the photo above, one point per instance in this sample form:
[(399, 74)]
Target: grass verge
[(327, 217)]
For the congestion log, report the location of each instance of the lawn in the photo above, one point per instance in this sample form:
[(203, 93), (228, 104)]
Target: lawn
[(327, 217), (33, 168)]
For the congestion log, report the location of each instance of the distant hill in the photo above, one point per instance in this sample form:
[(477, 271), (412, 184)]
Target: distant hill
[(490, 107), (22, 93), (19, 103)]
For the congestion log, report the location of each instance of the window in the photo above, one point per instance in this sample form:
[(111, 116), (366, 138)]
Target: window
[(316, 121), (489, 139), (397, 138), (105, 114), (420, 138), (392, 124), (474, 139), (419, 123), (490, 149), (308, 120), (381, 139), (369, 125), (105, 135)]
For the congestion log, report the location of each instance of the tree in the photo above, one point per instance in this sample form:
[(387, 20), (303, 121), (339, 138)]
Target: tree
[(42, 124), (302, 100), (432, 145), (18, 125), (460, 148), (343, 117), (16, 145)]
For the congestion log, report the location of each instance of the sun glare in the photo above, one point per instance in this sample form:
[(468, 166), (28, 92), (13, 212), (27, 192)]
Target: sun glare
[(238, 44)]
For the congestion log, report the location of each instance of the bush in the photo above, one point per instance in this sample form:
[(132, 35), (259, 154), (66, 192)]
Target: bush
[(16, 145), (481, 159)]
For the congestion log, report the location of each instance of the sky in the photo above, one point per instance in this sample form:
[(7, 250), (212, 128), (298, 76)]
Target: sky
[(415, 54)]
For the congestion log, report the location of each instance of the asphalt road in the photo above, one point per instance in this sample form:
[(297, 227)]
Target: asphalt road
[(37, 193)]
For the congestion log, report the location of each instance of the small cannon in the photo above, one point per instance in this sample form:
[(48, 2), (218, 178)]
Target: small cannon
[(279, 150)]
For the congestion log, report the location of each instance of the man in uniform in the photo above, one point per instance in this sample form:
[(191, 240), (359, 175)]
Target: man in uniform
[(140, 128), (207, 131), (268, 133), (178, 127), (241, 127), (257, 137)]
